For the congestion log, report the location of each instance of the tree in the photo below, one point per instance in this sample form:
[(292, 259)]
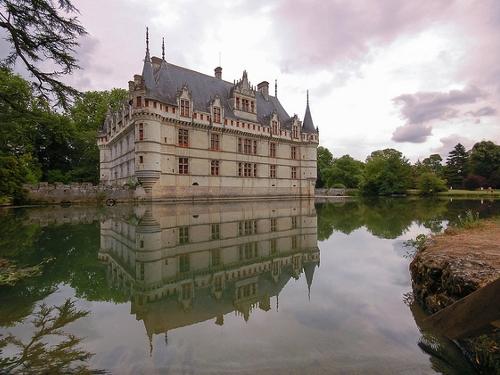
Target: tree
[(88, 114), (386, 172), (473, 182), (325, 159), (434, 164), (456, 166), (346, 171), (50, 350), (429, 184), (484, 161), (41, 31)]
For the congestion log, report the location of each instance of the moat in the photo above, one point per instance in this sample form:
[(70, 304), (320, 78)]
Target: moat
[(241, 287)]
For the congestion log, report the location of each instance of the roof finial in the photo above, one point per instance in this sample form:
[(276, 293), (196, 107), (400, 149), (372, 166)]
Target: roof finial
[(276, 88), (307, 93), (163, 48), (147, 39)]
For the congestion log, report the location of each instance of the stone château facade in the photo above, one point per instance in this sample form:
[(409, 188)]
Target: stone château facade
[(184, 134)]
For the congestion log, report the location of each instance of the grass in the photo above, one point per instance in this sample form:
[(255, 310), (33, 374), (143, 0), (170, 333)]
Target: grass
[(471, 193)]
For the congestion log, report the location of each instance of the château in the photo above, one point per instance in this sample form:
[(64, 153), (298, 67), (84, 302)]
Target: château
[(184, 134)]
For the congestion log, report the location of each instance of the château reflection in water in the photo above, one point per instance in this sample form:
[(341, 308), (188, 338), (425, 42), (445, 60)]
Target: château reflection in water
[(187, 263)]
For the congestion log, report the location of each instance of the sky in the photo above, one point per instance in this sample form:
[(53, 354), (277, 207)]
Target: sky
[(418, 76)]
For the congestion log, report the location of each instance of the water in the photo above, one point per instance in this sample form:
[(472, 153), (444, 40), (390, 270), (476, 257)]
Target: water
[(241, 287)]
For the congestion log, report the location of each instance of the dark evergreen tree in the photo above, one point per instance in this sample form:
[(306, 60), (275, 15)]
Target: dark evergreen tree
[(485, 161), (456, 166), (42, 31)]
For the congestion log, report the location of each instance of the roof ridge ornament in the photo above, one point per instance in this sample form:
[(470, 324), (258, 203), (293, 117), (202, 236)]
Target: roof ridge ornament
[(163, 48), (147, 40)]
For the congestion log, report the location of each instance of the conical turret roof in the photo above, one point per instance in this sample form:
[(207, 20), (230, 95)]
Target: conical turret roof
[(147, 69), (307, 124)]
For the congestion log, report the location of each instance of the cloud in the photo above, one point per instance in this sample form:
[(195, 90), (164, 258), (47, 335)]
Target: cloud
[(319, 34), (414, 133), (423, 108), (484, 111), (449, 142)]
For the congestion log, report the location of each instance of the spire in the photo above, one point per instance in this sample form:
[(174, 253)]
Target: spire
[(309, 272), (275, 88), (163, 49), (147, 70), (307, 124)]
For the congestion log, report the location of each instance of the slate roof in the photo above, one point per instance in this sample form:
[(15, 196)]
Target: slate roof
[(170, 78), (307, 124)]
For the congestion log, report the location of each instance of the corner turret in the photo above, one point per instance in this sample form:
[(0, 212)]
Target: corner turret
[(308, 125)]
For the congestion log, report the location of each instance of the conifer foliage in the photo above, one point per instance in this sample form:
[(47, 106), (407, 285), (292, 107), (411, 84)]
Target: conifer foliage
[(43, 31)]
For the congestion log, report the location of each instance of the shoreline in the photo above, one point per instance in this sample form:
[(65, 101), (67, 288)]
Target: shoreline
[(453, 266)]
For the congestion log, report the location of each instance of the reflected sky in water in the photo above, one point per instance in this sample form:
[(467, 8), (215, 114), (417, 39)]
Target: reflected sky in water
[(268, 287)]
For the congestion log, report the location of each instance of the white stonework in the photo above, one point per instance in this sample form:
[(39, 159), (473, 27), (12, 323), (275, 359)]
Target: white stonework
[(183, 134)]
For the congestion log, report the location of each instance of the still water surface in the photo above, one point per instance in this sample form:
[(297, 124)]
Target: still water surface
[(253, 287)]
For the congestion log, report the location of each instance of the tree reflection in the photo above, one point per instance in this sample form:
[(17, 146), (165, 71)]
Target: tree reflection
[(50, 350), (384, 218)]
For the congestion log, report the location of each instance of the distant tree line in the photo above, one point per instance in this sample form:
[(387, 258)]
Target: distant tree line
[(388, 172)]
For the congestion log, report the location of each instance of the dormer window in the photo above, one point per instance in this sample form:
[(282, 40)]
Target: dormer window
[(217, 115), (274, 127), (237, 103), (246, 107), (295, 131), (184, 108)]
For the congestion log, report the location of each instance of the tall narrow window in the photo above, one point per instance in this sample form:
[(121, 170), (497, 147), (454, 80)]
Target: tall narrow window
[(273, 224), (240, 145), (214, 167), (138, 101), (255, 170), (274, 127), (214, 142), (272, 171), (141, 132), (184, 108), (215, 231), (184, 263), (293, 153), (294, 172), (183, 166), (183, 137), (217, 115), (237, 103), (252, 106), (295, 133), (183, 235), (216, 258), (272, 150), (254, 147), (240, 169)]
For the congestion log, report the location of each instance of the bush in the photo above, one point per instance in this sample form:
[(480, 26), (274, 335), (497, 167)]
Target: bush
[(428, 184), (473, 182), (338, 186)]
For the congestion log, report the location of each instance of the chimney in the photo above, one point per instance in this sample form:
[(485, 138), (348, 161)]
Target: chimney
[(218, 72), (263, 88)]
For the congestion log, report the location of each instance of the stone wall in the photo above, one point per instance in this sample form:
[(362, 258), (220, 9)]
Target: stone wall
[(330, 192), (80, 193)]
